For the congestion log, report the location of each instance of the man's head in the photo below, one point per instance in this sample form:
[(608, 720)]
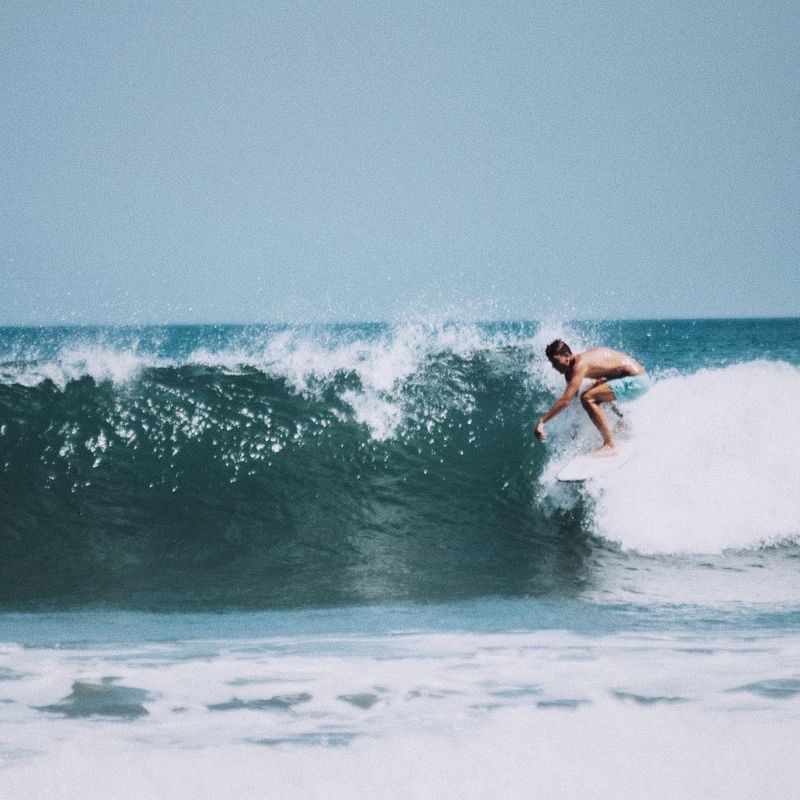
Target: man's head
[(559, 355)]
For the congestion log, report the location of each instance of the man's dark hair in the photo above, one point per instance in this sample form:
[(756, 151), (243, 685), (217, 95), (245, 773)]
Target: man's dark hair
[(557, 348)]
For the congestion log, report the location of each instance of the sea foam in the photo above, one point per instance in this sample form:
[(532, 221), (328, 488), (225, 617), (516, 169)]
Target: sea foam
[(514, 714), (716, 464)]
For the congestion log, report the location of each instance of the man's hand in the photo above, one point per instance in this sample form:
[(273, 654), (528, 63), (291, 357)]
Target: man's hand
[(539, 431)]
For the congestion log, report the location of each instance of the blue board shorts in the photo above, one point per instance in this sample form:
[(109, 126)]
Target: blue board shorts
[(630, 387)]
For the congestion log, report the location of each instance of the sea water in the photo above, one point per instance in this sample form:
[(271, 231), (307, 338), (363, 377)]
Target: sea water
[(333, 561)]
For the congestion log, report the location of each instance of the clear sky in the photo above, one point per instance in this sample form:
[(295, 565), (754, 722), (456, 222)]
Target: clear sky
[(309, 161)]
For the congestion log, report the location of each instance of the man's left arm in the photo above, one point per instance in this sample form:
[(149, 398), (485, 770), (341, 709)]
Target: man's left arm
[(573, 386)]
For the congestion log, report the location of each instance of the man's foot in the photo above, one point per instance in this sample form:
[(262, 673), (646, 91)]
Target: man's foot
[(606, 450)]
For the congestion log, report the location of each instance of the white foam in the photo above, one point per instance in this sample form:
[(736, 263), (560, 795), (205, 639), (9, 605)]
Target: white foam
[(516, 715), (305, 359), (73, 363), (588, 753), (716, 464), (313, 360), (382, 365)]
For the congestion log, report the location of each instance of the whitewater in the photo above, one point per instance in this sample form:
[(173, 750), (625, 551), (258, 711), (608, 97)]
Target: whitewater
[(333, 561)]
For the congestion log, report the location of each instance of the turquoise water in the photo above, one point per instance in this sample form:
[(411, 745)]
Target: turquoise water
[(288, 551), (227, 467)]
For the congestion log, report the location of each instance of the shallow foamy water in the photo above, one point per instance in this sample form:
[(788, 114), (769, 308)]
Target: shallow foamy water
[(666, 711)]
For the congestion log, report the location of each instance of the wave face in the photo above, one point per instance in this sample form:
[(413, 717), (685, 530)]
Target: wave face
[(268, 467)]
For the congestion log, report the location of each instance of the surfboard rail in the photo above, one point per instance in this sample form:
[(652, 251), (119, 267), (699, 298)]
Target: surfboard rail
[(589, 466)]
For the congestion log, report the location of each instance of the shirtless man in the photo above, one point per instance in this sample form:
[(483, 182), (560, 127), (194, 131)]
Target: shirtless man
[(617, 377)]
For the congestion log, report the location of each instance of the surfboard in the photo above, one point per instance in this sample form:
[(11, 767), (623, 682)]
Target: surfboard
[(586, 467)]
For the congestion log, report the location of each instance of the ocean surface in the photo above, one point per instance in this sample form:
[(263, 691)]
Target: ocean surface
[(333, 561)]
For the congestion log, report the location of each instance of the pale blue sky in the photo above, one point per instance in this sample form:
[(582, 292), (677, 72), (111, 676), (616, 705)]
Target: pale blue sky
[(308, 161)]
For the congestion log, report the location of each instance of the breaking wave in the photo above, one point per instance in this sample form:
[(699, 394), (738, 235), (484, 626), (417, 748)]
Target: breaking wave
[(296, 466)]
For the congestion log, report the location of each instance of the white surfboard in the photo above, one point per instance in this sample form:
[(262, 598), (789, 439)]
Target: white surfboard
[(584, 468)]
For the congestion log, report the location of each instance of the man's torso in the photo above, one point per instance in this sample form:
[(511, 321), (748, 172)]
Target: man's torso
[(602, 362)]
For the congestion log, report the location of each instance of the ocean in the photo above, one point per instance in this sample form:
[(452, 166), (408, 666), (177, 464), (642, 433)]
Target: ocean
[(332, 561)]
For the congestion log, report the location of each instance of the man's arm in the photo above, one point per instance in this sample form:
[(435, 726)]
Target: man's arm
[(573, 385)]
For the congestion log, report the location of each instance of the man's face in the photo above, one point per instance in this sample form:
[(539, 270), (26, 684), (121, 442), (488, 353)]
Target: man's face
[(560, 363)]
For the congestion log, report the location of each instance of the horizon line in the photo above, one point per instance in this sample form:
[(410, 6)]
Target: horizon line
[(340, 322)]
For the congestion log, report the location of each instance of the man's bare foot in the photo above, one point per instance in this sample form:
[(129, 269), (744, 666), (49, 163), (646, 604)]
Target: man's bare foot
[(606, 450)]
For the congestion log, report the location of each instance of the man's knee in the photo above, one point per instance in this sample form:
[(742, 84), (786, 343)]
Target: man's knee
[(587, 400)]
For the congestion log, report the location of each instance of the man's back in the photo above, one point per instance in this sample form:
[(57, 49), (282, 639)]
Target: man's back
[(602, 362)]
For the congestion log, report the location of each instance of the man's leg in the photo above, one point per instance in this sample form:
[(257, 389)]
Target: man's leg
[(591, 400)]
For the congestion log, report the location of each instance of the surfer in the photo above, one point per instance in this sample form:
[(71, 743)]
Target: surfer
[(617, 377)]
